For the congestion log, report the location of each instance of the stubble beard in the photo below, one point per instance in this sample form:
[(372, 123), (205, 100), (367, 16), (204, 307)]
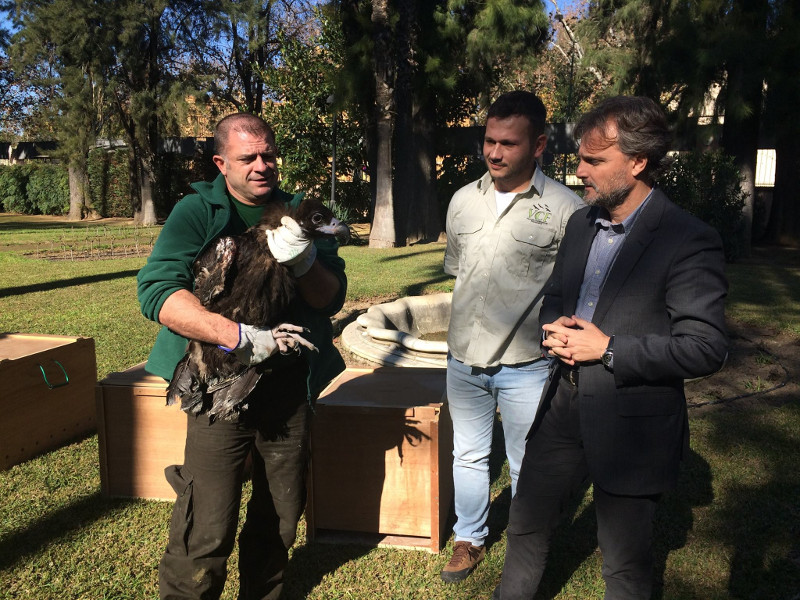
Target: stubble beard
[(514, 175), (613, 197)]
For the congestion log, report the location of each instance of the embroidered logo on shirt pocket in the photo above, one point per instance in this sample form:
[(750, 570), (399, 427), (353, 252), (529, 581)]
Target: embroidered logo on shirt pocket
[(539, 213)]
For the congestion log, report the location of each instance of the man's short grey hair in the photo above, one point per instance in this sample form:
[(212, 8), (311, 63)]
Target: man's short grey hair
[(642, 130), (243, 122)]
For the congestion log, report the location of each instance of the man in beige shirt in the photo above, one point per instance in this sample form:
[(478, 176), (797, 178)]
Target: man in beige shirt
[(503, 232)]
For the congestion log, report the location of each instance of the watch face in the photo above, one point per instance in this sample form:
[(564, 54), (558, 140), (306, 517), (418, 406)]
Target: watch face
[(606, 358)]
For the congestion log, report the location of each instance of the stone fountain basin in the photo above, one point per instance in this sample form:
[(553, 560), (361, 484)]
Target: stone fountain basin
[(392, 333)]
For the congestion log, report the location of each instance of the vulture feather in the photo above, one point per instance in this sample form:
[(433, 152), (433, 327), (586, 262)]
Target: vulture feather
[(239, 278)]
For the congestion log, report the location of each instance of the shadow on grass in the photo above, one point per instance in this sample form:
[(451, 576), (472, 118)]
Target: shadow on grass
[(310, 563), (57, 525), (435, 273), (14, 223), (418, 289), (65, 283), (575, 539), (409, 255), (674, 518), (757, 513)]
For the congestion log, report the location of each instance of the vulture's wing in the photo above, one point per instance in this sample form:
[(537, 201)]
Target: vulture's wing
[(185, 386), (212, 270), (228, 394)]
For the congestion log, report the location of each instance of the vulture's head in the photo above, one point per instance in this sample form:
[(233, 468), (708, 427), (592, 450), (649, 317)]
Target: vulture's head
[(317, 220), (313, 217)]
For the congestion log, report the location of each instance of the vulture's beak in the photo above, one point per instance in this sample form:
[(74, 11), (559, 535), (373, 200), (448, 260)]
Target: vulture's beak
[(336, 228)]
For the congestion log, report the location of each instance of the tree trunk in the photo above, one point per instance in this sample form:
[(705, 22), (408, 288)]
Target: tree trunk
[(423, 223), (76, 194), (404, 151), (146, 215), (783, 226), (416, 211), (740, 139), (382, 234), (370, 143), (80, 200), (744, 102)]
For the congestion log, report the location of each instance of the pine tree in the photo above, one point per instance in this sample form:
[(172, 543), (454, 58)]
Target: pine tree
[(428, 63), (62, 41)]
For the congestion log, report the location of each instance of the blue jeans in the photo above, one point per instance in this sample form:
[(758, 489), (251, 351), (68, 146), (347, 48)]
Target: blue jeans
[(474, 395)]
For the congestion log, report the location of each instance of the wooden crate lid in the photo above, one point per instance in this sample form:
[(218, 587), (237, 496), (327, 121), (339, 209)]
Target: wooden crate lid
[(14, 346), (386, 387), (134, 376)]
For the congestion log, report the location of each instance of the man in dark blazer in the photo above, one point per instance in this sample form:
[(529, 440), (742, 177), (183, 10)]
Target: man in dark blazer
[(633, 308)]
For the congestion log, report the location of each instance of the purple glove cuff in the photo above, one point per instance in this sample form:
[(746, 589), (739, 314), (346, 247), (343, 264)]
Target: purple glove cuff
[(229, 350)]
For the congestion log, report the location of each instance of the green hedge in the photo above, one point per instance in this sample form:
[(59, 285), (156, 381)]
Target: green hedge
[(110, 185), (34, 189), (13, 181), (174, 175), (109, 182), (708, 185), (48, 189)]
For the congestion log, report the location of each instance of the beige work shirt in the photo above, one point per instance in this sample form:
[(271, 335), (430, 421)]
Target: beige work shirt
[(501, 263)]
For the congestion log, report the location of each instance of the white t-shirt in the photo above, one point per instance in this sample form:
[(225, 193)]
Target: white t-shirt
[(503, 200)]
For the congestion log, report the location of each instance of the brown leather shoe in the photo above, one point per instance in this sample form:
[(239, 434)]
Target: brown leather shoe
[(464, 560)]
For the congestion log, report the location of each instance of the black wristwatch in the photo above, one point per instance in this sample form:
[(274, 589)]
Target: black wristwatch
[(608, 356)]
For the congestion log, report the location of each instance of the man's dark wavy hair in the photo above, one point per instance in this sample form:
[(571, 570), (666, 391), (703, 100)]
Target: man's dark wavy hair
[(642, 130), (523, 104)]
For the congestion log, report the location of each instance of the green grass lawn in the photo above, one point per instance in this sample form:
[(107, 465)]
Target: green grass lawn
[(731, 529)]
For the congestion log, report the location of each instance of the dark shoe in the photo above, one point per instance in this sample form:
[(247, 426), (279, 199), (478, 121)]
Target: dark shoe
[(464, 560)]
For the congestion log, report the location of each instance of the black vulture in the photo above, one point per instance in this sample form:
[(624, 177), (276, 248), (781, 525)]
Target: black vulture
[(239, 278)]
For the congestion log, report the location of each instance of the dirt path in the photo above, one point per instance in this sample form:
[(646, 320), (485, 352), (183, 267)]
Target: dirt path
[(762, 366)]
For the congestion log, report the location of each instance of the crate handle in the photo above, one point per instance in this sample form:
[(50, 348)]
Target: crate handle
[(55, 385)]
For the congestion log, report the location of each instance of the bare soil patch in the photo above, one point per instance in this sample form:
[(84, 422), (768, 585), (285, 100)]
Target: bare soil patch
[(762, 368), (347, 315), (762, 365)]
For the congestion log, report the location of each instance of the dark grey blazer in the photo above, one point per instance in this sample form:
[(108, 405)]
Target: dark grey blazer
[(664, 302)]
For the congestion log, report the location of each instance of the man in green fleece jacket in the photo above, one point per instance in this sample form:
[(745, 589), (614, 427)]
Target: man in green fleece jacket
[(274, 428)]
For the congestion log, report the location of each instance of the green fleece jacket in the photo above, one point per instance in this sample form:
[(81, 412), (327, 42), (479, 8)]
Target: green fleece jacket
[(197, 221)]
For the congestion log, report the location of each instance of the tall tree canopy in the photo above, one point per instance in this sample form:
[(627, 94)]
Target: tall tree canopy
[(678, 52), (415, 66), (14, 88), (128, 67), (63, 47), (311, 125), (113, 66), (249, 36)]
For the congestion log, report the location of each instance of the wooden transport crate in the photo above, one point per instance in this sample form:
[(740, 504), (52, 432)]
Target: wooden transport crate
[(381, 459), (139, 436), (47, 397)]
